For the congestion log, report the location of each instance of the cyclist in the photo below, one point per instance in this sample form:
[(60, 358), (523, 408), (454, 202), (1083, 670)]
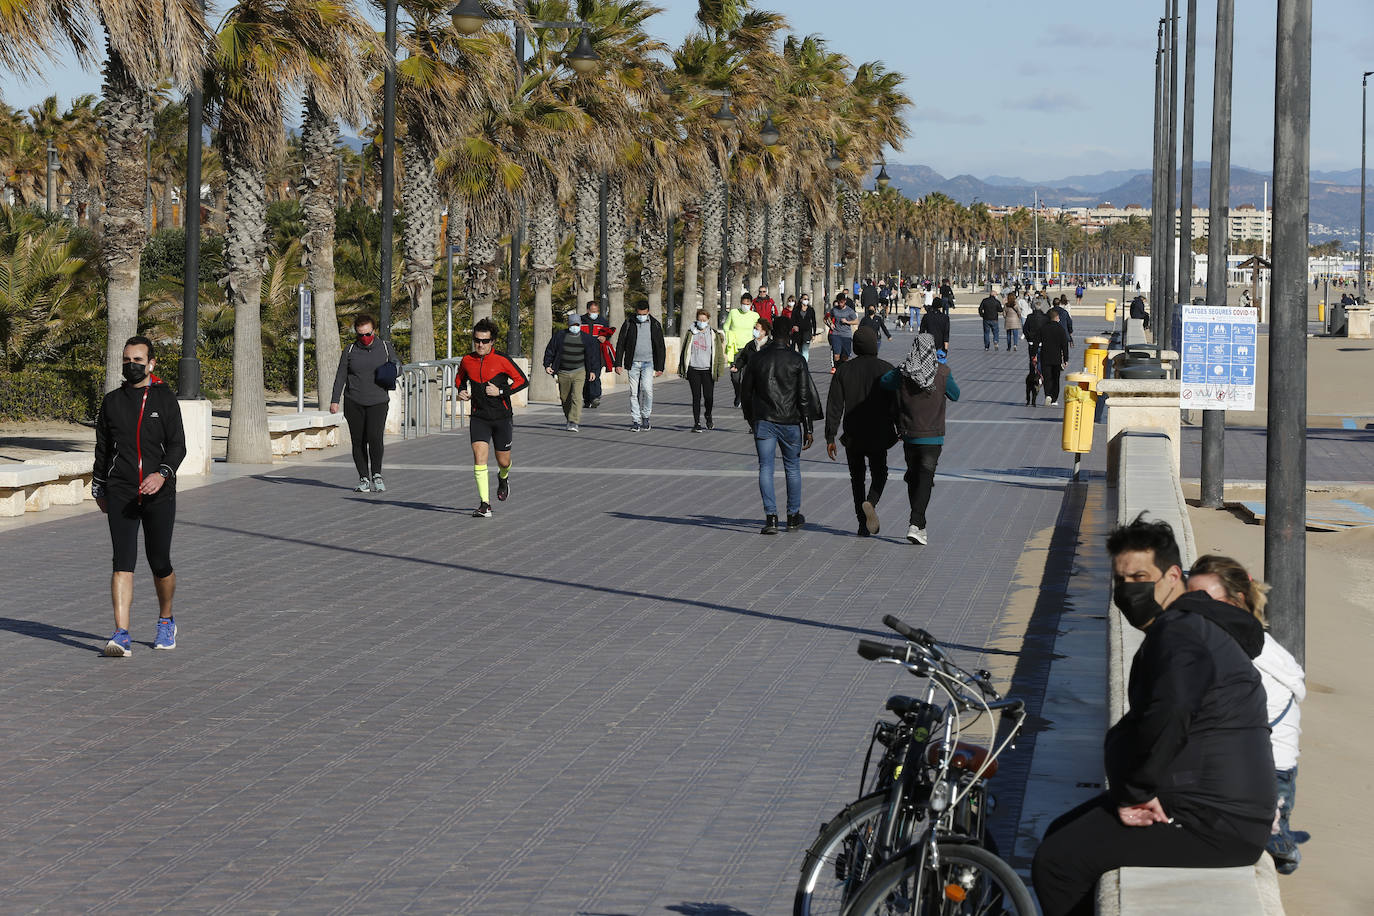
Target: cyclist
[(139, 444), (488, 379)]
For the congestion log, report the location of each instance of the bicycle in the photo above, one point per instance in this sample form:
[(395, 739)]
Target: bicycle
[(912, 783)]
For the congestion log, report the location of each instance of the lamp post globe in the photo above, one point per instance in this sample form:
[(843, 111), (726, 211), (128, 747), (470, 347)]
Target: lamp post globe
[(724, 118), (584, 58), (833, 161), (769, 133), (469, 16), (883, 178)]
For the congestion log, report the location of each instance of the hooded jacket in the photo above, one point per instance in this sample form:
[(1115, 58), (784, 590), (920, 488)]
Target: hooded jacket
[(138, 432), (1196, 736), (856, 396), (1285, 687)]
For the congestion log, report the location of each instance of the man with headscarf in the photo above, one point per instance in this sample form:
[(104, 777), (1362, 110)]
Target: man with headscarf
[(867, 410), (923, 384)]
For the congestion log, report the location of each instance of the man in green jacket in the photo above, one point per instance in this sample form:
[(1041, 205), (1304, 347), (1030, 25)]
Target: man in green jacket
[(739, 333)]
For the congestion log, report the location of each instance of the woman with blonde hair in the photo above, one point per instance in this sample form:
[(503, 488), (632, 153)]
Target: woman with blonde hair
[(1284, 685)]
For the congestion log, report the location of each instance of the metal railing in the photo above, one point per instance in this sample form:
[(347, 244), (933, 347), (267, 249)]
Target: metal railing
[(430, 399)]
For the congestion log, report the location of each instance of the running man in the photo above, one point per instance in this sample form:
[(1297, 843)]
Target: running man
[(139, 444), (488, 379)]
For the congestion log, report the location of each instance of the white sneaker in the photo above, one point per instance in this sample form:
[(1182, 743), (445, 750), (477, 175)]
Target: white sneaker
[(916, 535)]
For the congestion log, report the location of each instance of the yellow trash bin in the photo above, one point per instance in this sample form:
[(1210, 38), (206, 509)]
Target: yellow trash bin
[(1321, 310), (1109, 311), (1094, 357), (1080, 404)]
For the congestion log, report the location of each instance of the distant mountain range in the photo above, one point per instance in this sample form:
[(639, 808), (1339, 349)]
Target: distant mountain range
[(1335, 196)]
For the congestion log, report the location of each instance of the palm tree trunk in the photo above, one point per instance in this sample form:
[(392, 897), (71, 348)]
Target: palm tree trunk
[(736, 249), (755, 229), (244, 250), (586, 236), (420, 241), (777, 245), (483, 251), (125, 117), (818, 271), (690, 221), (653, 254), (318, 136), (616, 231), (543, 263), (712, 246)]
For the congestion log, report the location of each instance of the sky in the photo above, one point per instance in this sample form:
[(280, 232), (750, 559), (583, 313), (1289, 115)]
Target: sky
[(1037, 91)]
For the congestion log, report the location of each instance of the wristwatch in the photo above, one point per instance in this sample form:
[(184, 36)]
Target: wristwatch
[(165, 472)]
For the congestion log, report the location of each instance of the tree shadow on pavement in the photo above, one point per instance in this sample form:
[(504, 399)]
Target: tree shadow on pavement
[(47, 631), (372, 554)]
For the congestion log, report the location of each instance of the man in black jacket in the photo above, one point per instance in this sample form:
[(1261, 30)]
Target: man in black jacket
[(591, 321), (990, 309), (868, 410), (643, 354), (1189, 767), (935, 322), (574, 358), (139, 444), (1054, 355), (780, 402)]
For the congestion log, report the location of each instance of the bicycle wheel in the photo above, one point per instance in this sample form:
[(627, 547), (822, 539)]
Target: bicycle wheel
[(970, 881), (840, 859)]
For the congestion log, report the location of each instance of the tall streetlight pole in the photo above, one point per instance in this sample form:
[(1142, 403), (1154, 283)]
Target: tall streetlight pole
[(1214, 421), (1185, 201), (50, 190), (1364, 120), (388, 167), (1156, 189), (188, 369), (1285, 528), (1171, 233)]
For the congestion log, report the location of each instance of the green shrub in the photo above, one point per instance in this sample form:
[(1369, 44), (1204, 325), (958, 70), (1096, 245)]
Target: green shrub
[(50, 393)]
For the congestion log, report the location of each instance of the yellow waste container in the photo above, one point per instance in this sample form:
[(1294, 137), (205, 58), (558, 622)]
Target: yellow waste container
[(1109, 311), (1094, 357), (1321, 310), (1080, 403)]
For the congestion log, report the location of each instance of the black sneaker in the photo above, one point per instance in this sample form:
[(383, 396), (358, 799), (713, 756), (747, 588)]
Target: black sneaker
[(502, 488), (770, 525), (698, 428), (795, 521), (646, 424), (863, 531), (709, 424), (635, 427), (482, 511)]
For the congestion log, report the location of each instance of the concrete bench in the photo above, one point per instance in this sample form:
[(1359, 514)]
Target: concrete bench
[(1148, 482), (24, 488), (292, 433), (73, 483)]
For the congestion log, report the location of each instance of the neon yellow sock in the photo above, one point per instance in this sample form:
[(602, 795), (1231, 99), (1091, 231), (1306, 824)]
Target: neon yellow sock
[(503, 472), (483, 485)]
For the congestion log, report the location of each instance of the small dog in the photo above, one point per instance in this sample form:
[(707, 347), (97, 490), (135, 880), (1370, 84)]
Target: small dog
[(1033, 384)]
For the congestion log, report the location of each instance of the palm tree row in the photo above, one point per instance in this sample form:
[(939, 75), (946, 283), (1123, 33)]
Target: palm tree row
[(509, 156)]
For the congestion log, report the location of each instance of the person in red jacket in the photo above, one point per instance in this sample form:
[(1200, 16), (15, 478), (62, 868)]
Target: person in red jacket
[(488, 379), (765, 306)]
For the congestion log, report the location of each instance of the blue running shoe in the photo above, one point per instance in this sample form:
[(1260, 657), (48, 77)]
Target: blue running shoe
[(119, 645), (166, 633)]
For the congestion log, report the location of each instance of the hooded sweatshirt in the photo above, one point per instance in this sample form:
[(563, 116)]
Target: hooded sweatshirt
[(1196, 736), (855, 394)]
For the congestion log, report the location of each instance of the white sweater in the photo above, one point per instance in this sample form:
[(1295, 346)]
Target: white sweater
[(1283, 682)]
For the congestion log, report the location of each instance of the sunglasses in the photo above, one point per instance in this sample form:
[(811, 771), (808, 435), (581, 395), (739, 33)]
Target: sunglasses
[(481, 340)]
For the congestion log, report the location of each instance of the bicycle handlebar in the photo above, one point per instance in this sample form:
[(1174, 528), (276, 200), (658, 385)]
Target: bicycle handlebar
[(929, 647), (876, 651), (915, 634)]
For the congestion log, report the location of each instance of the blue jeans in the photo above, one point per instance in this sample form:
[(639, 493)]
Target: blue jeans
[(641, 390), (1013, 337), (805, 350), (914, 314), (990, 333), (1283, 846), (768, 438)]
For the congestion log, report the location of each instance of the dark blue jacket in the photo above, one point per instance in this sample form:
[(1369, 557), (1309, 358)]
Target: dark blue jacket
[(553, 353)]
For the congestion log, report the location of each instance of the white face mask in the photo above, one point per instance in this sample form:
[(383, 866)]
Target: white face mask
[(758, 335), (641, 318), (701, 325), (574, 328)]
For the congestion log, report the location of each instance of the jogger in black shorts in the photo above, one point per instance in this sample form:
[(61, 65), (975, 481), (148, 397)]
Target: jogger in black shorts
[(139, 444), (488, 379)]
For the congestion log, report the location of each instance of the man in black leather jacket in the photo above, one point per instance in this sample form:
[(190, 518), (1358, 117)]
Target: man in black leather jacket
[(780, 402), (1189, 766)]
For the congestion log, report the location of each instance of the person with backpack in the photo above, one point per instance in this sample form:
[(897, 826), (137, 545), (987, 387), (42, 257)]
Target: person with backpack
[(365, 378), (868, 411)]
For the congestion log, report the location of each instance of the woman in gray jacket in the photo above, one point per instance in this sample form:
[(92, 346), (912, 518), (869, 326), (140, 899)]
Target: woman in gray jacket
[(364, 401)]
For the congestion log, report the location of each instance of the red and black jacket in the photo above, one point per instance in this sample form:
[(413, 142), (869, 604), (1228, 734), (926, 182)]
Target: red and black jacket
[(499, 371), (137, 432)]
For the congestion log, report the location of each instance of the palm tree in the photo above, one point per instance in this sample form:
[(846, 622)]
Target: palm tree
[(336, 87), (146, 41), (47, 281)]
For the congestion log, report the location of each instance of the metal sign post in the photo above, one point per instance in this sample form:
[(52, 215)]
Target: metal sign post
[(305, 299)]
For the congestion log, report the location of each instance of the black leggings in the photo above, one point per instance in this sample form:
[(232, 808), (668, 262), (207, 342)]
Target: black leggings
[(156, 513), (366, 424), (1089, 841), (876, 459), (703, 392), (921, 461)]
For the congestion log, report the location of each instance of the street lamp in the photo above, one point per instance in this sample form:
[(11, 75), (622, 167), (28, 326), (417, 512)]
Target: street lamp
[(724, 117), (833, 161), (583, 58), (469, 16), (769, 133), (883, 178), (1364, 118)]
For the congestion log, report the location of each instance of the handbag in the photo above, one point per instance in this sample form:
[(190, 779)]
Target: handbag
[(388, 372)]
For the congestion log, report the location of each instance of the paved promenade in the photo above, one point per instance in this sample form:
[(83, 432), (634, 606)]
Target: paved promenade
[(614, 697)]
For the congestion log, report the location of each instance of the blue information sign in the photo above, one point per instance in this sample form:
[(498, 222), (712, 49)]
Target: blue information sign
[(1217, 358)]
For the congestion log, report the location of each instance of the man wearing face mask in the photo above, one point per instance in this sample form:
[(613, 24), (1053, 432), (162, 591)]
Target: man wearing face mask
[(1189, 766), (139, 444), (365, 403), (643, 355), (574, 358), (803, 327), (701, 361), (594, 324)]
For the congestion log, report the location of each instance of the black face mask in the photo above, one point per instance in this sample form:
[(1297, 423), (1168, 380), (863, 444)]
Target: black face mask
[(134, 372), (1137, 603)]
